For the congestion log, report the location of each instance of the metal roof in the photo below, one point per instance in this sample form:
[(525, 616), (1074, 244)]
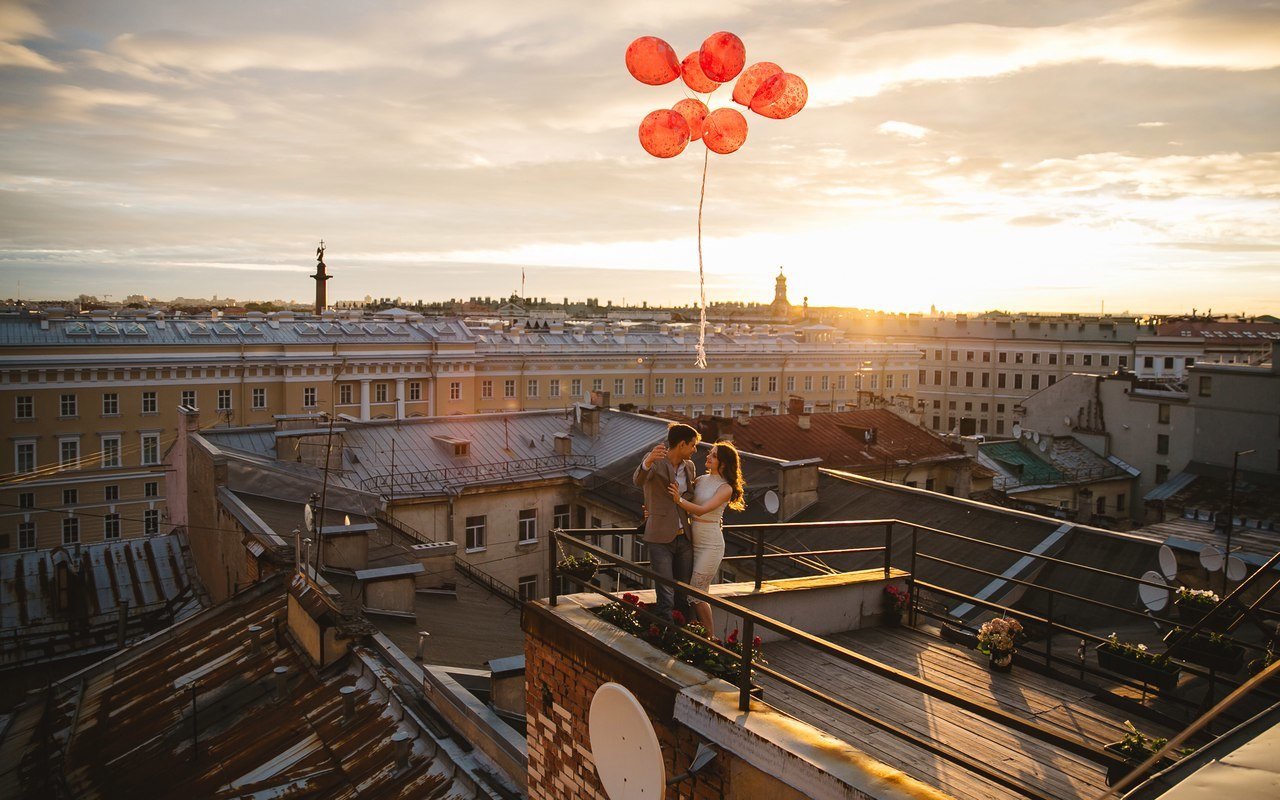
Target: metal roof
[(1171, 487), (82, 332), (1011, 458)]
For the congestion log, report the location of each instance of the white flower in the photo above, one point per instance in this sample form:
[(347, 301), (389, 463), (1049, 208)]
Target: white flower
[(1142, 647)]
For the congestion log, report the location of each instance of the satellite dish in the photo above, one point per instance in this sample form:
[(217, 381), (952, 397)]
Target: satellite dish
[(624, 746), (1153, 597), (309, 517), (1235, 569), (1066, 421), (771, 501), (1211, 558), (1044, 445), (1168, 562), (1017, 430), (1035, 437)]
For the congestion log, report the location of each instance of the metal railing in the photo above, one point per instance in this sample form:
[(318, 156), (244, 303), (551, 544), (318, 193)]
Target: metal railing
[(497, 587)]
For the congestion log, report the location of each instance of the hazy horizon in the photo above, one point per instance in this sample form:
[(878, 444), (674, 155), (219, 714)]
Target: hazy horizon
[(959, 154)]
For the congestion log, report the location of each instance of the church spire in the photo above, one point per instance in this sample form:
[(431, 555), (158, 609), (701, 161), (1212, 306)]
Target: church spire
[(320, 278)]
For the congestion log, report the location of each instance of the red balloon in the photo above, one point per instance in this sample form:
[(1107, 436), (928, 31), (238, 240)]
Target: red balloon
[(780, 97), (664, 133), (651, 60), (694, 112), (722, 56), (751, 78), (724, 130), (693, 75)]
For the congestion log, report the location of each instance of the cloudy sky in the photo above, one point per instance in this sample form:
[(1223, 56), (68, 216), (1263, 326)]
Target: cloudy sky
[(969, 155)]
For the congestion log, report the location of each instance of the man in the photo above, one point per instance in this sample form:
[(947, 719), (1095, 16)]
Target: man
[(667, 530)]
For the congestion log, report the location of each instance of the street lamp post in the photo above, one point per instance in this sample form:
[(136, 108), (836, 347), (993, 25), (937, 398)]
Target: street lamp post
[(1231, 511)]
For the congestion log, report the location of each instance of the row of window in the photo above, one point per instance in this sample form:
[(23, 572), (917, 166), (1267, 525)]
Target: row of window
[(983, 379), (533, 386), (71, 529), (110, 454), (71, 497), (476, 528), (381, 391)]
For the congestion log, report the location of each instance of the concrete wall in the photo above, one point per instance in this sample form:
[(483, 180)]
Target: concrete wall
[(1134, 428), (1240, 412), (394, 595), (348, 551)]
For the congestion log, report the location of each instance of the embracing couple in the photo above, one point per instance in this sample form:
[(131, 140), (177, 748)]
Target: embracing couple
[(686, 511)]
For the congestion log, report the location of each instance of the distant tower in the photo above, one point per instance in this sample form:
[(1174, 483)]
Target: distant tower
[(320, 278), (781, 306)]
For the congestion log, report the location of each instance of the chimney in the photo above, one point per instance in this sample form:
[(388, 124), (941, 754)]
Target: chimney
[(563, 444), (348, 704), (401, 742), (744, 417), (802, 422), (797, 487), (160, 320), (795, 404), (590, 421), (282, 682), (600, 399), (44, 323)]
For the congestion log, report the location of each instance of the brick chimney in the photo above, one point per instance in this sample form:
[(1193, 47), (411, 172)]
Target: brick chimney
[(563, 444), (590, 420), (795, 404), (803, 422)]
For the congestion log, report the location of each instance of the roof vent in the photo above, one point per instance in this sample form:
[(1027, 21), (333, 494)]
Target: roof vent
[(401, 742)]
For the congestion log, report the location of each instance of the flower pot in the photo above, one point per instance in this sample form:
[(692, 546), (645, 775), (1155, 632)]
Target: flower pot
[(891, 617), (1228, 658), (1000, 660), (1190, 613), (1117, 771), (1163, 677), (581, 573)]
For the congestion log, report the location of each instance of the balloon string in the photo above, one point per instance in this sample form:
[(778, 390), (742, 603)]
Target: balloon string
[(701, 363)]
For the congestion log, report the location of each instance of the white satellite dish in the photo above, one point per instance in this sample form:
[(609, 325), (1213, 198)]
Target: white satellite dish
[(771, 501), (1153, 597), (1235, 569), (1211, 558), (624, 746), (309, 517), (1168, 562), (1035, 437)]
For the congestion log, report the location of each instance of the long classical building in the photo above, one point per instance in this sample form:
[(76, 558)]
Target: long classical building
[(91, 403)]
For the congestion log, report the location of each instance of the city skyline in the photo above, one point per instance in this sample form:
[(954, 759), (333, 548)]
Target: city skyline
[(959, 155)]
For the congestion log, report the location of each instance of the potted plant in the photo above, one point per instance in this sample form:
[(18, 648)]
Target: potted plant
[(1137, 661), (1213, 650), (1135, 748), (1191, 605), (1268, 657), (581, 567), (895, 602), (999, 638)]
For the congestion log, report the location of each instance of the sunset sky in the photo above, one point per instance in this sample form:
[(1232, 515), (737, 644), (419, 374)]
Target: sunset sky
[(970, 155)]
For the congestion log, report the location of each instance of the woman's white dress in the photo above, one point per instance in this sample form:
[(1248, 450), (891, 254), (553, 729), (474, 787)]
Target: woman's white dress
[(708, 538)]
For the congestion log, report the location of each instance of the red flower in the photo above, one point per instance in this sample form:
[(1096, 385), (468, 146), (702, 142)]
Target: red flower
[(733, 637), (630, 598), (653, 631), (755, 642), (677, 617)]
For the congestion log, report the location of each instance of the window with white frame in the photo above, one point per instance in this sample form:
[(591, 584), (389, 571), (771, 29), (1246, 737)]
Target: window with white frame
[(24, 407), (509, 387), (260, 397), (68, 452), (597, 384), (906, 380), (475, 533), (679, 386), (111, 492), (528, 587), (737, 385), (560, 516), (659, 385), (67, 406), (531, 387), (110, 451), (639, 387), (149, 403), (717, 385), (698, 385), (791, 383), (111, 526), (150, 448), (379, 393), (455, 390), (773, 384), (224, 399), (553, 387), (486, 389), (151, 521), (26, 500), (888, 381), (151, 489), (189, 398), (527, 524), (24, 456), (415, 390), (309, 396), (619, 387), (70, 497), (840, 383), (70, 530), (755, 384), (345, 394), (808, 383), (825, 383), (575, 387), (26, 536)]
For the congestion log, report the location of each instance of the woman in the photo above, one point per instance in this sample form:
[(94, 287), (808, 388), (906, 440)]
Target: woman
[(721, 485)]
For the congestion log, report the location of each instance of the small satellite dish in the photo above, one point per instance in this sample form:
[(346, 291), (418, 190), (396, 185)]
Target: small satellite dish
[(1211, 558), (309, 517), (1044, 445), (1153, 597), (771, 501), (1235, 569), (1035, 437), (1017, 430), (1168, 562), (1066, 421), (624, 746)]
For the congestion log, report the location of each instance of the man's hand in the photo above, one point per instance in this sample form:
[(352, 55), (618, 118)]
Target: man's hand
[(659, 451)]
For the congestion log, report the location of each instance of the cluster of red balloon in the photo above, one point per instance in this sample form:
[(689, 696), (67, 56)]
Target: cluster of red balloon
[(763, 87)]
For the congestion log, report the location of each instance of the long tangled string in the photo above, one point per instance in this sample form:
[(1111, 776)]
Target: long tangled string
[(701, 362)]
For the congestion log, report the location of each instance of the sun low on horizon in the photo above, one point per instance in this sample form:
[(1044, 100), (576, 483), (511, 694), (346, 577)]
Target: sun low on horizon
[(960, 155)]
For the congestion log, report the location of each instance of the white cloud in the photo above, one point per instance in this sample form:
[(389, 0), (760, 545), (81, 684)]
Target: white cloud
[(903, 129)]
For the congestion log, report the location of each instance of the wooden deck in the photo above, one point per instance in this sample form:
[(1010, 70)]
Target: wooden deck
[(1065, 709)]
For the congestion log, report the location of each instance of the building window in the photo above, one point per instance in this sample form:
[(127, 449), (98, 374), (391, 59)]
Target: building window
[(24, 457), (659, 385), (937, 355), (70, 531), (1071, 359), (575, 387), (151, 489), (1101, 505), (840, 381), (224, 399), (968, 356), (415, 391), (808, 383), (1120, 503), (150, 448), (1168, 362), (1162, 413), (111, 493), (888, 382), (509, 387), (1035, 380), (1106, 360), (345, 394), (639, 387), (999, 427), (70, 497), (486, 389), (1035, 358), (755, 384), (1017, 380), (68, 452), (1206, 386), (679, 386), (528, 587), (1088, 359), (27, 500), (737, 385), (1123, 361), (67, 406), (619, 387), (698, 384), (1189, 361), (24, 407), (597, 384), (26, 536), (1162, 444), (151, 521), (111, 451), (560, 517), (825, 383), (1053, 379), (149, 403), (475, 533), (968, 379), (1148, 362), (189, 398), (1017, 358), (717, 385), (260, 397), (455, 390), (1000, 380), (111, 526), (953, 378), (553, 388), (1053, 359), (531, 388), (379, 393), (309, 396), (1162, 473), (527, 522)]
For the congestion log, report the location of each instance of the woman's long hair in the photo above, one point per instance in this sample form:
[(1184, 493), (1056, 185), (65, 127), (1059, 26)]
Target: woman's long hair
[(731, 471)]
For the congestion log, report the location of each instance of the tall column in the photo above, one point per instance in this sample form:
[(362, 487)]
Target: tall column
[(400, 390), (364, 398)]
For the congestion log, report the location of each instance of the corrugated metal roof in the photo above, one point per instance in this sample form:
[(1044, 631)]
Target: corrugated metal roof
[(204, 332), (1013, 459), (1171, 487)]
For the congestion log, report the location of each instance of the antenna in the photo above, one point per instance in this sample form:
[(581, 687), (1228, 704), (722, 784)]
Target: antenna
[(771, 501), (1153, 597), (624, 746), (1211, 558), (1168, 562)]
